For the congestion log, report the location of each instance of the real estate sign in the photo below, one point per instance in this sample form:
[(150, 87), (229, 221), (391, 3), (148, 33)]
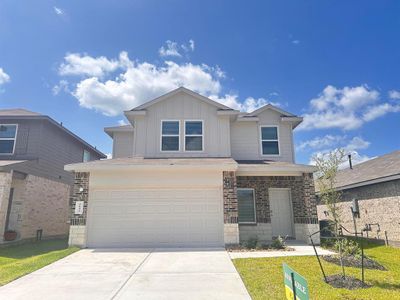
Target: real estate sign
[(296, 287)]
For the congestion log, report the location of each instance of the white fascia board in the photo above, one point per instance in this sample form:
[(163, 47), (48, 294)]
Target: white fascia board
[(88, 167), (227, 112), (268, 170)]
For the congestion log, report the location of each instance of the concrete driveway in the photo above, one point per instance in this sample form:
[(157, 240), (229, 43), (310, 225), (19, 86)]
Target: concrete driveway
[(133, 274)]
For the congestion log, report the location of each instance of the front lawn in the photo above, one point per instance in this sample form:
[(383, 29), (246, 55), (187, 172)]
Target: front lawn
[(17, 261), (263, 277)]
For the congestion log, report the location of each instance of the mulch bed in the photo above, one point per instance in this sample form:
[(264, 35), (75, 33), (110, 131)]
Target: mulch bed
[(355, 262), (244, 249), (348, 282)]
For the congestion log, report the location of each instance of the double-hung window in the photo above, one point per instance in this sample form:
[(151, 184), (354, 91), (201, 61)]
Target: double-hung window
[(193, 135), (246, 206), (8, 133), (269, 140), (170, 136)]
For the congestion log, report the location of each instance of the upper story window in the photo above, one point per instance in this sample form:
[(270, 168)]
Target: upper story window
[(193, 135), (8, 134), (269, 140), (86, 156), (170, 136)]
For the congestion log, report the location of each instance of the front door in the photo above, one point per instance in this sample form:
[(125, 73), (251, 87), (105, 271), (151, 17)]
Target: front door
[(281, 212)]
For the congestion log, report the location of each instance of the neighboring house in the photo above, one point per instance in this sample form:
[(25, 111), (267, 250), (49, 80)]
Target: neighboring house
[(375, 185), (191, 172), (34, 187)]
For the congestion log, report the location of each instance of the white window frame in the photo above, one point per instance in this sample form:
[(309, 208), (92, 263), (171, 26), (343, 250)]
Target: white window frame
[(178, 135), (194, 135), (9, 139), (277, 140), (254, 202)]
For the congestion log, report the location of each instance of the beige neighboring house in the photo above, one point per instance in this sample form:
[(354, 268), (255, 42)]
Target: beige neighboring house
[(191, 172), (34, 188), (375, 185)]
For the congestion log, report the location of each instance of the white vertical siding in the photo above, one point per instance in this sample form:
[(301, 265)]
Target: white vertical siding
[(182, 107), (246, 139), (123, 144)]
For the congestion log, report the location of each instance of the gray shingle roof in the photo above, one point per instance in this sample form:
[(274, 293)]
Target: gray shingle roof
[(377, 168)]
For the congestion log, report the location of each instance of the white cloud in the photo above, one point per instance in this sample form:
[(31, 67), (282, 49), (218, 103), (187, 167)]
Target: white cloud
[(170, 49), (122, 122), (333, 143), (58, 10), (4, 77), (296, 42), (111, 86), (61, 86), (348, 108), (321, 142), (85, 65), (393, 94)]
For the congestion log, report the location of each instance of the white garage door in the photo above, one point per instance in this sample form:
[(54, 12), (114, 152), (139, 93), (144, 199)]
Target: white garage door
[(155, 218)]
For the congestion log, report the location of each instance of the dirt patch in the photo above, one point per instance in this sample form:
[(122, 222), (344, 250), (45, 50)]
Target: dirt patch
[(355, 262), (348, 282)]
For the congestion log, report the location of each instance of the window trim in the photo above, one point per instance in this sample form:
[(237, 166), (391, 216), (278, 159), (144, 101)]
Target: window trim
[(277, 140), (8, 139), (254, 206), (178, 135), (202, 136)]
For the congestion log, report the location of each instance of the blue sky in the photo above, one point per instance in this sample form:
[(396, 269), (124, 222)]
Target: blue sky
[(334, 62)]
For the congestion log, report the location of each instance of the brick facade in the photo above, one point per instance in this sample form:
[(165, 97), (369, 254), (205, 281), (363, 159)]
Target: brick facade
[(379, 203), (230, 198), (37, 204), (302, 194)]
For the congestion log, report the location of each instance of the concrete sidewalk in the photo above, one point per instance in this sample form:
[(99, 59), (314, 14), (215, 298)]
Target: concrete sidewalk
[(133, 274), (299, 250)]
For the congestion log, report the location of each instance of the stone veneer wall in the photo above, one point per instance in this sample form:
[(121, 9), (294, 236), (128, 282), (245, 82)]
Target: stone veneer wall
[(80, 192), (378, 203), (303, 203), (231, 228)]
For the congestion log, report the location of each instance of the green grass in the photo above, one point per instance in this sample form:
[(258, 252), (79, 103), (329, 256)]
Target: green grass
[(17, 261), (263, 277)]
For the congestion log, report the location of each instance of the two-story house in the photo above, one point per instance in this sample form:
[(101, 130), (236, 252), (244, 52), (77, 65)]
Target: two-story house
[(191, 172), (34, 187)]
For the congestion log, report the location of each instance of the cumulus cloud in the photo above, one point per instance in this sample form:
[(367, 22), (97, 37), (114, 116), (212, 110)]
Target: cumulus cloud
[(4, 77), (330, 143), (393, 94), (61, 86), (111, 86), (122, 122), (347, 108), (171, 48)]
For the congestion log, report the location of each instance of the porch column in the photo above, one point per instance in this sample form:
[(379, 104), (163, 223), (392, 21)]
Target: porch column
[(231, 227), (80, 195)]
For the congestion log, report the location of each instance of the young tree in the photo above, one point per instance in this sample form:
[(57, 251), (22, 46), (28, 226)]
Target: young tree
[(328, 165)]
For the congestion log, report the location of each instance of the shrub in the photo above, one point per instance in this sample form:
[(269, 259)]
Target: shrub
[(349, 247), (278, 243), (251, 243)]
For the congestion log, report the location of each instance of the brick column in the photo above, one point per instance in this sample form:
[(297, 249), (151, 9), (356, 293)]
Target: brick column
[(80, 192), (231, 227)]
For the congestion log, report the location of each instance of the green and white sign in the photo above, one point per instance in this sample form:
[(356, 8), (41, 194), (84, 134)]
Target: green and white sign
[(296, 287)]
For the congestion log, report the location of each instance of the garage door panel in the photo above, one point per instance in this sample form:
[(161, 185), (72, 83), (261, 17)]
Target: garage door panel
[(155, 218)]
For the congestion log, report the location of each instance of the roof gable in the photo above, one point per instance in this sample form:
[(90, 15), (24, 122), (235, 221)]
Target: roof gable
[(177, 91), (272, 107)]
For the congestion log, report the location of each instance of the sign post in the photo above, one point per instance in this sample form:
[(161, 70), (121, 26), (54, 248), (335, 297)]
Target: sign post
[(296, 287)]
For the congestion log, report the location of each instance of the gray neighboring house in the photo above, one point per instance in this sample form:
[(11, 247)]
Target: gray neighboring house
[(376, 186), (190, 172), (34, 188)]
